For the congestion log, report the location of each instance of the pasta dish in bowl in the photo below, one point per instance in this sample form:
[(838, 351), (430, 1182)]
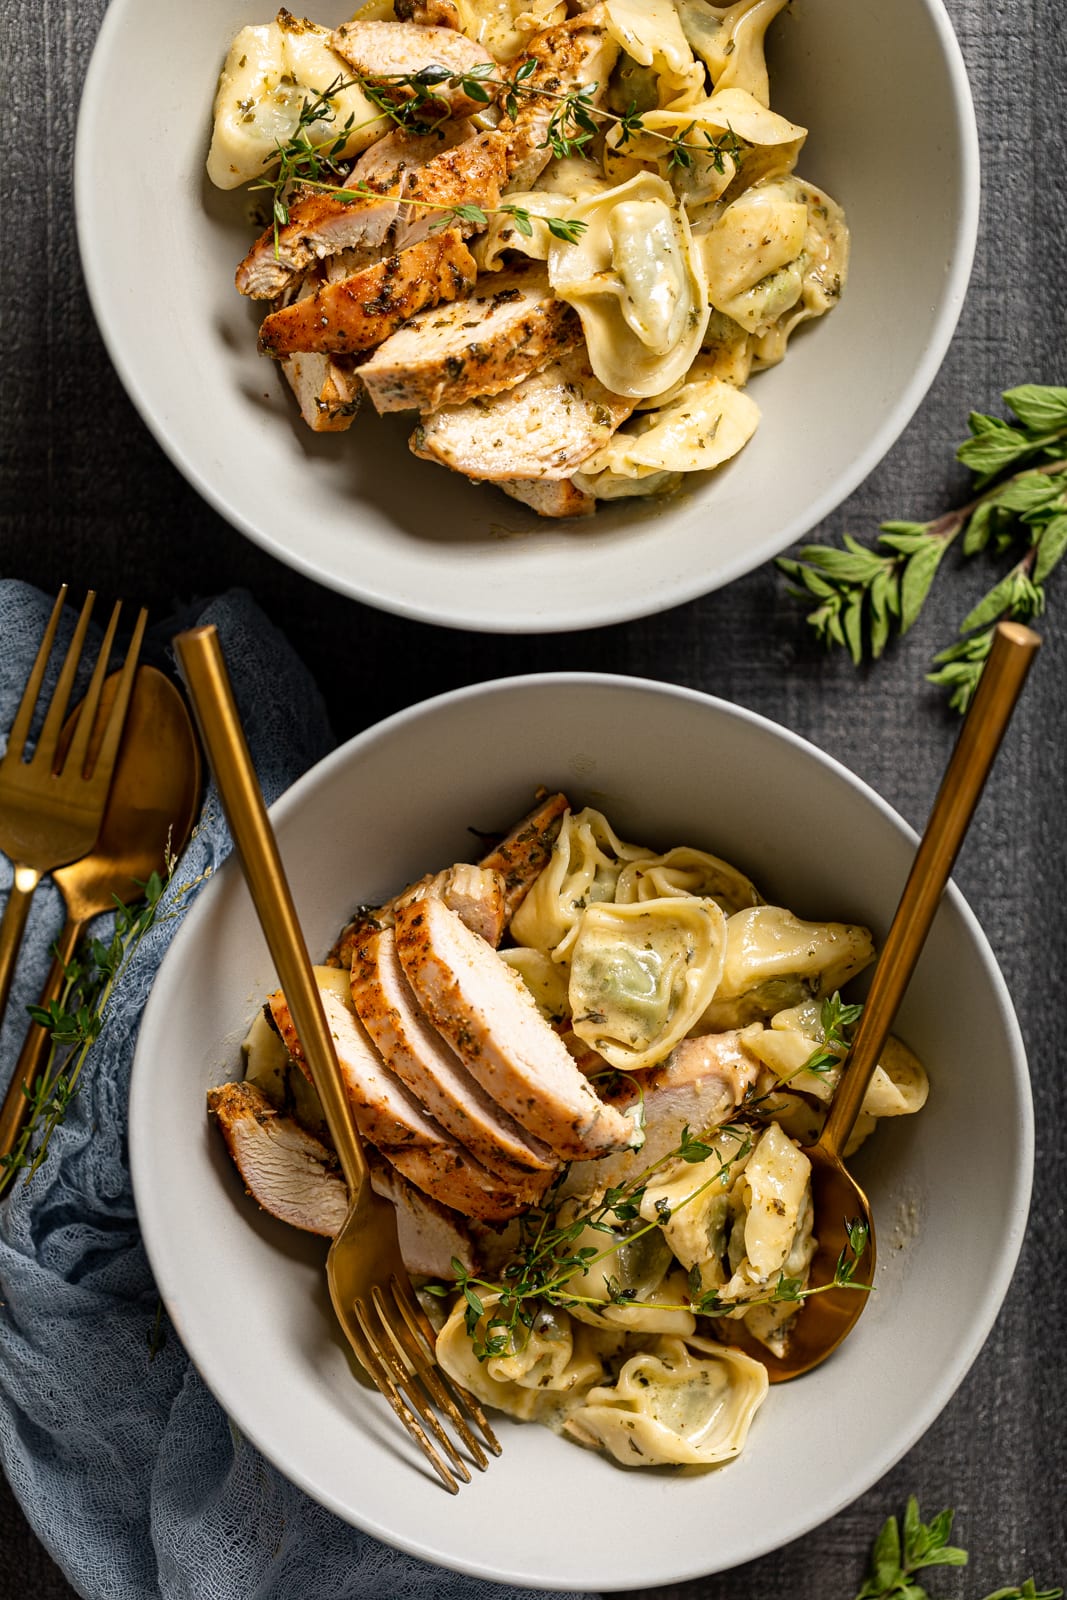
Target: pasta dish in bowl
[(563, 241), (732, 858), (358, 511)]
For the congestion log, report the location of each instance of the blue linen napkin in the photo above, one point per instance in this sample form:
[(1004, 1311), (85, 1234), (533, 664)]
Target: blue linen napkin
[(126, 1467)]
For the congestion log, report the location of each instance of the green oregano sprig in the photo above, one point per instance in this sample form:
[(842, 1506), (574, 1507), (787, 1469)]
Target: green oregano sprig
[(863, 594), (909, 1546)]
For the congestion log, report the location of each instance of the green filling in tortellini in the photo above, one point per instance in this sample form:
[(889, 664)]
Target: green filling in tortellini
[(642, 974)]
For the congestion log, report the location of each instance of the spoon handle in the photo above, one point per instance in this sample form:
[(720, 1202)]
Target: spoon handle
[(16, 1106), (1001, 684)]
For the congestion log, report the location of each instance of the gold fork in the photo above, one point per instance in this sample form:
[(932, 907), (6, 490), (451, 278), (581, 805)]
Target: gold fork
[(369, 1284), (51, 810)]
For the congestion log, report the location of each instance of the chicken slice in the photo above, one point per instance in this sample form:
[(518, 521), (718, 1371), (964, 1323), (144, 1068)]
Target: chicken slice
[(573, 55), (476, 894), (543, 428), (524, 853), (327, 390), (431, 1236), (363, 228), (700, 1085), (511, 326), (319, 225), (471, 174), (392, 1119), (380, 52), (434, 1073), (285, 1170), (298, 1179), (490, 1019), (361, 311), (550, 497)]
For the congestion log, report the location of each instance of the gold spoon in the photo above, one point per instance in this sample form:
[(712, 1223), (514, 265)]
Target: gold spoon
[(154, 793), (838, 1201)]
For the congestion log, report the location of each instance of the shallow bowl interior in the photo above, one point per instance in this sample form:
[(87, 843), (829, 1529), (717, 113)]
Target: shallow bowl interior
[(669, 766), (356, 511)]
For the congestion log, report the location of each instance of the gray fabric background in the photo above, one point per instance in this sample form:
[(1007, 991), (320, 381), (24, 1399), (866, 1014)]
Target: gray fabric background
[(87, 496)]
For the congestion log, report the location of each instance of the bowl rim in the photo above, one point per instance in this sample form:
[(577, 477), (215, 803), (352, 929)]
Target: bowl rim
[(105, 297), (152, 1209)]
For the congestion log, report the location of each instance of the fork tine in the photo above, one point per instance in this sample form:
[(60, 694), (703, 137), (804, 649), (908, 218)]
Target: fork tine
[(410, 1368), (421, 1328), (445, 1392), (75, 758), (370, 1357), (116, 719), (24, 715), (44, 754)]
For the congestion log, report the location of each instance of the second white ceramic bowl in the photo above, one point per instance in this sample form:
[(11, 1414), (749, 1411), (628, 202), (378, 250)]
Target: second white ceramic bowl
[(669, 767)]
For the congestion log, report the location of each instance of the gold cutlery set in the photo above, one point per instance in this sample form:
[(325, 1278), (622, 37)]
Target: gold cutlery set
[(111, 793)]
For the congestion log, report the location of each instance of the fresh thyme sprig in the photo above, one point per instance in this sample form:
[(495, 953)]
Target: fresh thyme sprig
[(547, 1257), (74, 1022), (837, 1021), (302, 164), (559, 227), (904, 1548), (574, 123), (1020, 468)]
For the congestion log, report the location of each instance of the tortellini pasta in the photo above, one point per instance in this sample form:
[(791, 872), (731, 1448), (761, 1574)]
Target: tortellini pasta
[(637, 283), (730, 41), (706, 423), (686, 871), (678, 1403), (586, 861), (643, 974), (774, 960), (651, 34)]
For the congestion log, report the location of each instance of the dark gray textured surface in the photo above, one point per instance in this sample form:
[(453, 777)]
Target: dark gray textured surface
[(88, 497)]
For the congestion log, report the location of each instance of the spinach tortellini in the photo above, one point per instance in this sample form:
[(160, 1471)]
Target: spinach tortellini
[(688, 1403)]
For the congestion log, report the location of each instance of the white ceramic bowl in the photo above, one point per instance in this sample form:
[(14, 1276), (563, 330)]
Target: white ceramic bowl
[(669, 766), (356, 511)]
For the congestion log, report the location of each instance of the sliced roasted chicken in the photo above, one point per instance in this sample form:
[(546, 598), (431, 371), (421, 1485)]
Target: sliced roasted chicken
[(382, 53), (543, 428), (327, 390), (287, 1171), (511, 326), (433, 1072), (393, 1120), (359, 312), (482, 1008), (575, 55), (476, 894), (319, 225), (431, 1236), (700, 1085), (550, 497), (524, 853), (470, 177), (298, 1179)]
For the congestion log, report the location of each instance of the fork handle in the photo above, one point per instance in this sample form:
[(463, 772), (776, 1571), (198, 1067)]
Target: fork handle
[(11, 928), (204, 670), (16, 1106)]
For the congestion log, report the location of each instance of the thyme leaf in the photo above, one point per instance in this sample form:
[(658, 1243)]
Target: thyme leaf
[(863, 594)]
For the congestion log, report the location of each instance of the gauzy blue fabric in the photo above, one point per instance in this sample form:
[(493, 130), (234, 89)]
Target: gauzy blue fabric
[(126, 1467)]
